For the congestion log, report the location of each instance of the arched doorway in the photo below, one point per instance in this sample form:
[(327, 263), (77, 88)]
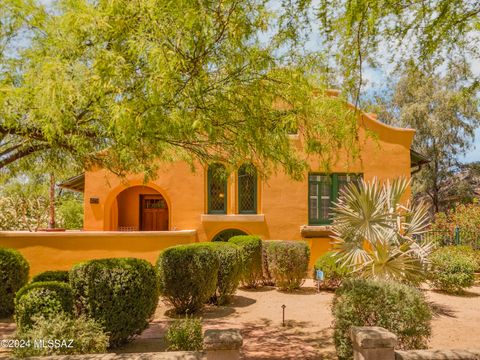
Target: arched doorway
[(226, 234), (141, 208)]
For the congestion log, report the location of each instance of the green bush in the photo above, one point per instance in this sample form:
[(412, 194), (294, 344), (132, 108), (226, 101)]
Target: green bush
[(87, 335), (120, 294), (13, 275), (185, 335), (287, 262), (267, 277), (188, 276), (230, 270), (251, 258), (333, 272), (42, 299), (53, 275), (452, 269), (396, 307)]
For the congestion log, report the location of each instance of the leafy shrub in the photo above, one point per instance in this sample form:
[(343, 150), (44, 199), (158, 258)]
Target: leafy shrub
[(120, 294), (466, 217), (251, 258), (452, 269), (42, 299), (54, 275), (87, 335), (188, 276), (333, 271), (230, 270), (185, 335), (396, 307), (13, 275), (287, 262), (267, 277)]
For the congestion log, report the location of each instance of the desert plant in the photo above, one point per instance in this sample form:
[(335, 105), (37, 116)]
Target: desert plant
[(376, 236), (188, 276), (52, 275), (185, 334), (333, 271), (120, 294), (13, 275), (398, 308), (42, 299), (229, 272), (453, 270), (251, 258), (287, 262), (73, 335)]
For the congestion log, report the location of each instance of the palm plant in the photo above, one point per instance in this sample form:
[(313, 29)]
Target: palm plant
[(378, 237)]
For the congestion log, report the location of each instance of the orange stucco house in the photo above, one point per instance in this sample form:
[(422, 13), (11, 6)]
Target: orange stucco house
[(127, 217), (204, 207)]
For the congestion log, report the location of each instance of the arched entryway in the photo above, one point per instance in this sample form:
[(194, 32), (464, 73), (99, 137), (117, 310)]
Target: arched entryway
[(141, 208), (226, 234)]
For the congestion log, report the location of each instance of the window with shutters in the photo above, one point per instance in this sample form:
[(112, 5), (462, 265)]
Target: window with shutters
[(323, 191)]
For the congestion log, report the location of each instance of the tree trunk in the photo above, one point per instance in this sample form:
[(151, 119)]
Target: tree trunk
[(51, 221)]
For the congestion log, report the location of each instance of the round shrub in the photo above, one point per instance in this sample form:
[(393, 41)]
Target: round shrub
[(396, 307), (87, 335), (229, 272), (13, 275), (188, 276), (251, 247), (333, 272), (287, 262), (42, 299), (452, 270), (53, 275), (121, 294)]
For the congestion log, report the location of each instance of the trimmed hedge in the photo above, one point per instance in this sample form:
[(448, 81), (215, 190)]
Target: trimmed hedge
[(333, 272), (251, 246), (42, 299), (53, 275), (188, 276), (121, 294), (453, 268), (229, 272), (398, 308), (13, 275), (287, 262)]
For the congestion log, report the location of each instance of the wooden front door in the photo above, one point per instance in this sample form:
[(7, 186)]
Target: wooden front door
[(153, 213)]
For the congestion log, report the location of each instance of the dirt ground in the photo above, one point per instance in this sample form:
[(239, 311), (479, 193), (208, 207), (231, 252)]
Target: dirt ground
[(307, 333)]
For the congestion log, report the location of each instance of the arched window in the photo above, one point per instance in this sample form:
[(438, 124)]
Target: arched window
[(247, 189), (217, 189)]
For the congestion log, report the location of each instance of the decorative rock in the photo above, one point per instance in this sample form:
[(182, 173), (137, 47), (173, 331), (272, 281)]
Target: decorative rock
[(225, 339), (438, 355)]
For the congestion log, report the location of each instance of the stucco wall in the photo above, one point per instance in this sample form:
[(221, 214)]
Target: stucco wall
[(60, 251)]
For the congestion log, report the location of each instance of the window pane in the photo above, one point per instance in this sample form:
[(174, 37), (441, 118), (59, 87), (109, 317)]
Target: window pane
[(217, 181), (247, 189), (320, 188)]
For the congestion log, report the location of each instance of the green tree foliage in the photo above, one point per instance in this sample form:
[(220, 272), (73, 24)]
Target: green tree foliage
[(444, 111), (126, 83), (358, 32), (25, 201), (376, 235)]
